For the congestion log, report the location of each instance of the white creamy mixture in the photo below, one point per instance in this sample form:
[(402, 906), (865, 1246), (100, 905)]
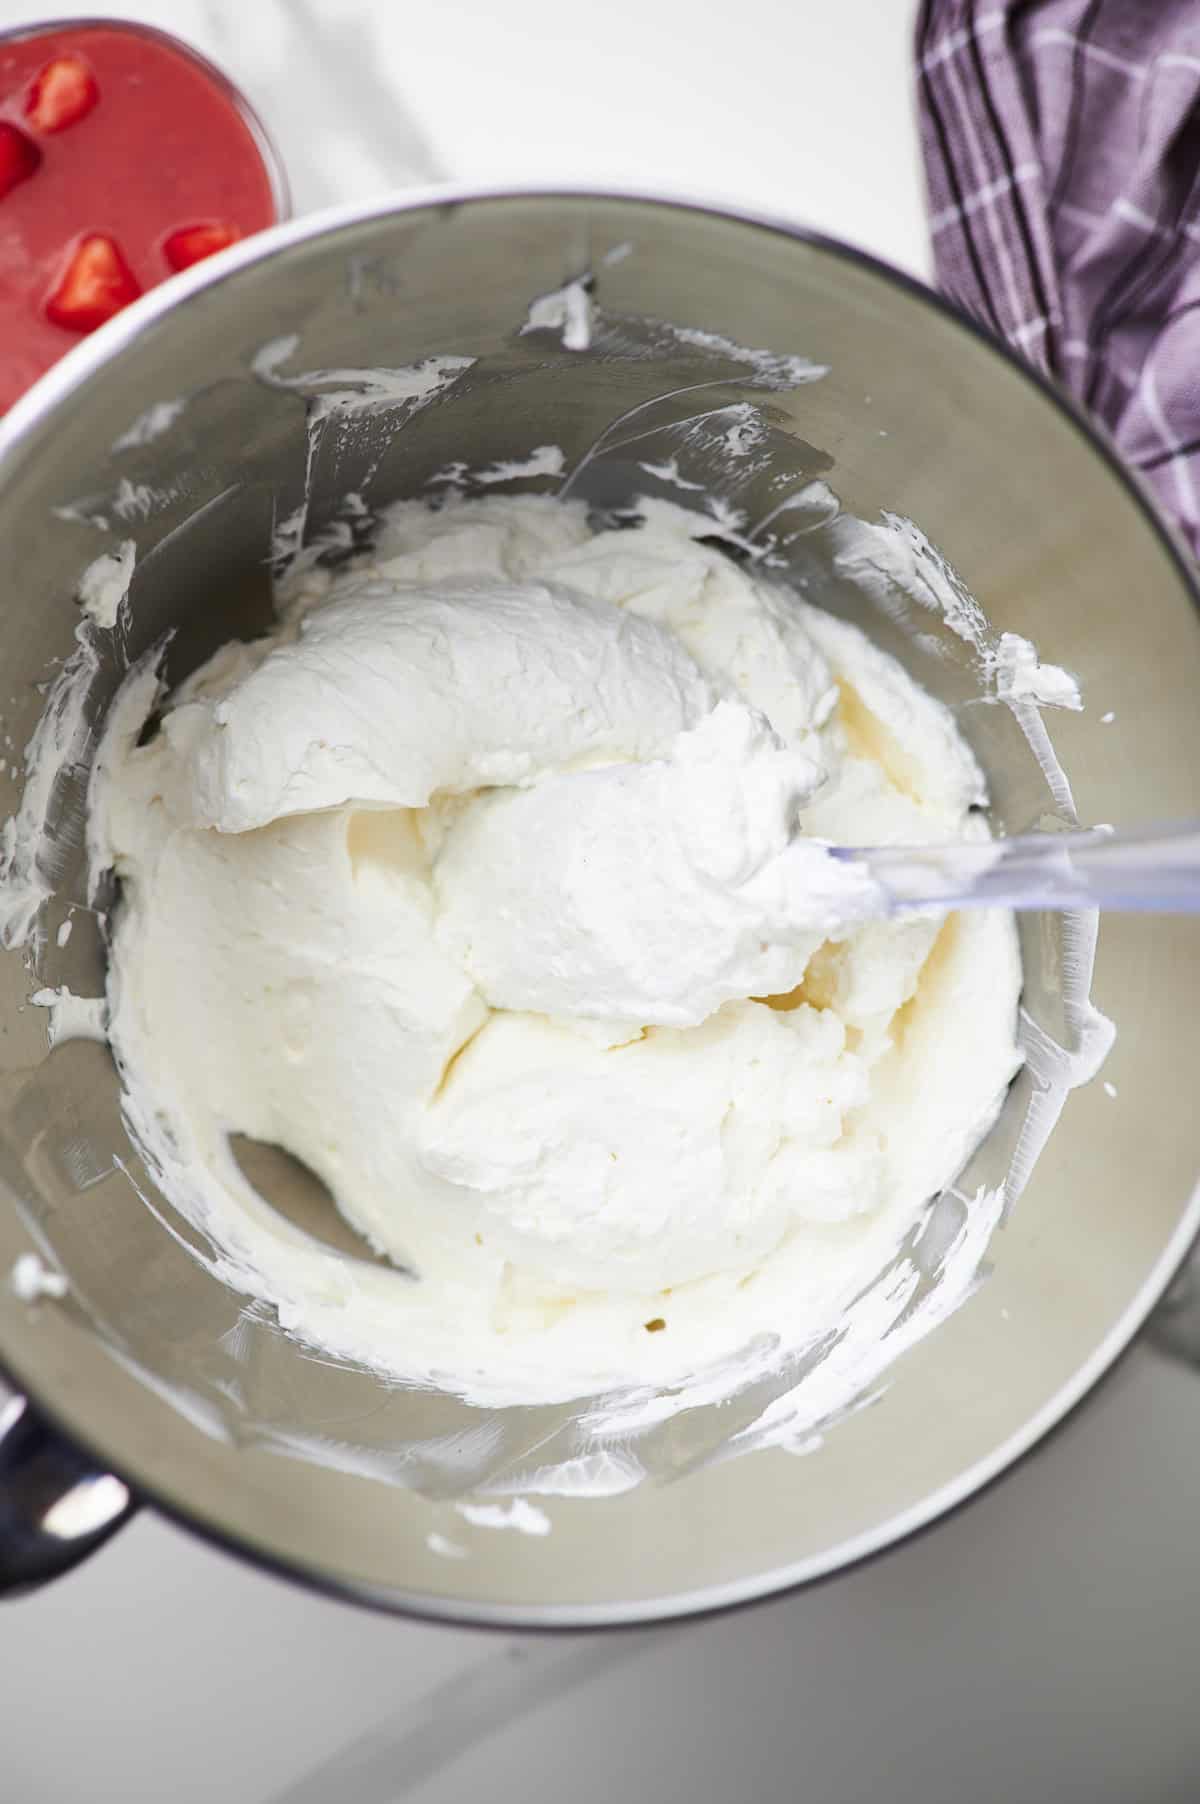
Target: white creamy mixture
[(491, 886)]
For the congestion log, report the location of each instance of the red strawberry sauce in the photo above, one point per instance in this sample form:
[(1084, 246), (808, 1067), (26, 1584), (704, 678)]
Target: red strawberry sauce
[(122, 158)]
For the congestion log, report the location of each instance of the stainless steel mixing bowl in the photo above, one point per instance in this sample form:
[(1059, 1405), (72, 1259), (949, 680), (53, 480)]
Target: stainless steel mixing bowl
[(149, 1362)]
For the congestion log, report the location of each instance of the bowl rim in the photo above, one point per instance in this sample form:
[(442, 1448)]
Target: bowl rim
[(106, 344)]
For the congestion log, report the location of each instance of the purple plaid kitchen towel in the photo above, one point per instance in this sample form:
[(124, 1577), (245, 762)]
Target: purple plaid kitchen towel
[(1062, 157)]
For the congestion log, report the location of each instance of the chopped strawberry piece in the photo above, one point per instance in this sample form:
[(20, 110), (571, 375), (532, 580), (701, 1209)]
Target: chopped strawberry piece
[(61, 94), (96, 284), (191, 243), (19, 157)]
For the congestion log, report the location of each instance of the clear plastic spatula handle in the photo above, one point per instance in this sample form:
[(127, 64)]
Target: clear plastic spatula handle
[(1148, 871)]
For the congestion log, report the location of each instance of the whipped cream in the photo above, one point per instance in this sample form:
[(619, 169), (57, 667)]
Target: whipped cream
[(647, 893), (493, 886)]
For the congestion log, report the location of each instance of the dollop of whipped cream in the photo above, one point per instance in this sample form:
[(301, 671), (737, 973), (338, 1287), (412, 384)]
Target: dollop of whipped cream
[(494, 886), (647, 893)]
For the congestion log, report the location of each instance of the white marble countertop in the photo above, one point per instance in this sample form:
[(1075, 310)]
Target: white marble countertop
[(1041, 1643)]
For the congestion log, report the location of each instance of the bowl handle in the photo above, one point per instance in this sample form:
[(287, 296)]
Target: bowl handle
[(1174, 1326), (56, 1506)]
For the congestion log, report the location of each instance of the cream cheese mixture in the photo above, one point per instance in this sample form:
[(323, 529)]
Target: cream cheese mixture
[(492, 886)]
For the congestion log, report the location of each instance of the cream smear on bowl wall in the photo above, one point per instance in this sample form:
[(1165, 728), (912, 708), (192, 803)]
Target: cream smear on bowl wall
[(532, 971)]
